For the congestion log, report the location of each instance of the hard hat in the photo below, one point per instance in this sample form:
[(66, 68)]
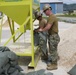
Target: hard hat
[(38, 14), (35, 11), (46, 6)]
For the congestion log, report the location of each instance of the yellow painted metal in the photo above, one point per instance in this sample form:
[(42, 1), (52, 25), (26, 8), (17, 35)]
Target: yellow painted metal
[(21, 11), (17, 31), (32, 38), (16, 11), (1, 28), (28, 52), (12, 29)]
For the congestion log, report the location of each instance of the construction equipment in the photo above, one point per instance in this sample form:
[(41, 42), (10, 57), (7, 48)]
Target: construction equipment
[(21, 12)]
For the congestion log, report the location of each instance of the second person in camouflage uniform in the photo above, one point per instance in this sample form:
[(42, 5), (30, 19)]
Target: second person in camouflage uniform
[(42, 36)]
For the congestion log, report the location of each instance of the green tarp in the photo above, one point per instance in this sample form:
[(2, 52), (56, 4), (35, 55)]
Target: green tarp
[(73, 71), (40, 72), (9, 62)]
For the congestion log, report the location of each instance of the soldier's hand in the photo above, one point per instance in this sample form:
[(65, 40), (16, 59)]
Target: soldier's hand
[(36, 30), (40, 30)]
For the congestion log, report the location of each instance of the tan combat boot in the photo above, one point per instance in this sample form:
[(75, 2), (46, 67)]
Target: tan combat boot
[(51, 66)]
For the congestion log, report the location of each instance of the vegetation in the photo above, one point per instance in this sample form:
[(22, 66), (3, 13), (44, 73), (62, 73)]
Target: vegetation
[(69, 7), (66, 15), (68, 10)]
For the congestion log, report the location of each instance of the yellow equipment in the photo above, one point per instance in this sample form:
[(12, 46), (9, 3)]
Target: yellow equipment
[(21, 12)]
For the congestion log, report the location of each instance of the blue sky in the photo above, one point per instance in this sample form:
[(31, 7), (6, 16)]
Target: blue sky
[(69, 1)]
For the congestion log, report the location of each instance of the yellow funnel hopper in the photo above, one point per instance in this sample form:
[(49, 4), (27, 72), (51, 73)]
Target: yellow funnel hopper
[(17, 11)]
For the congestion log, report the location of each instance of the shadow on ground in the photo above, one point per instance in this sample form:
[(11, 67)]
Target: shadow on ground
[(24, 61)]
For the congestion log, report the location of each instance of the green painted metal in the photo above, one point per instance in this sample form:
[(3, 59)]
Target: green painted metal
[(21, 11)]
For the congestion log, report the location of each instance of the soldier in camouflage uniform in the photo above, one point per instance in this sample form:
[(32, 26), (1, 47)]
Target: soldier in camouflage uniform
[(41, 37), (53, 37)]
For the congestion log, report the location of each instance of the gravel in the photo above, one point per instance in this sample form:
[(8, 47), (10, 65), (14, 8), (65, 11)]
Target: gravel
[(67, 48)]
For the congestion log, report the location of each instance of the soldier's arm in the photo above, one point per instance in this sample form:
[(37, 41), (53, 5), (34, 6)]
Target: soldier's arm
[(48, 26), (37, 30)]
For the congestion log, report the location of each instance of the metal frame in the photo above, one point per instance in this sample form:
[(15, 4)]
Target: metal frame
[(1, 28), (29, 19)]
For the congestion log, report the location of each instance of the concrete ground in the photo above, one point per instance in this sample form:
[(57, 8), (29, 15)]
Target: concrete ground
[(41, 65)]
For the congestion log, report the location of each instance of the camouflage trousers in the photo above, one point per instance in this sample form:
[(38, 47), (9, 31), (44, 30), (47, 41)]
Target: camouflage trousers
[(40, 39), (43, 43), (53, 41)]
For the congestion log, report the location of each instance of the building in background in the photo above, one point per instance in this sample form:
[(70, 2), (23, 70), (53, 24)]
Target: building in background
[(57, 6)]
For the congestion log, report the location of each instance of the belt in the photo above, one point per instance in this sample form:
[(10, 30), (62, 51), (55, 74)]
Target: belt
[(53, 33)]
